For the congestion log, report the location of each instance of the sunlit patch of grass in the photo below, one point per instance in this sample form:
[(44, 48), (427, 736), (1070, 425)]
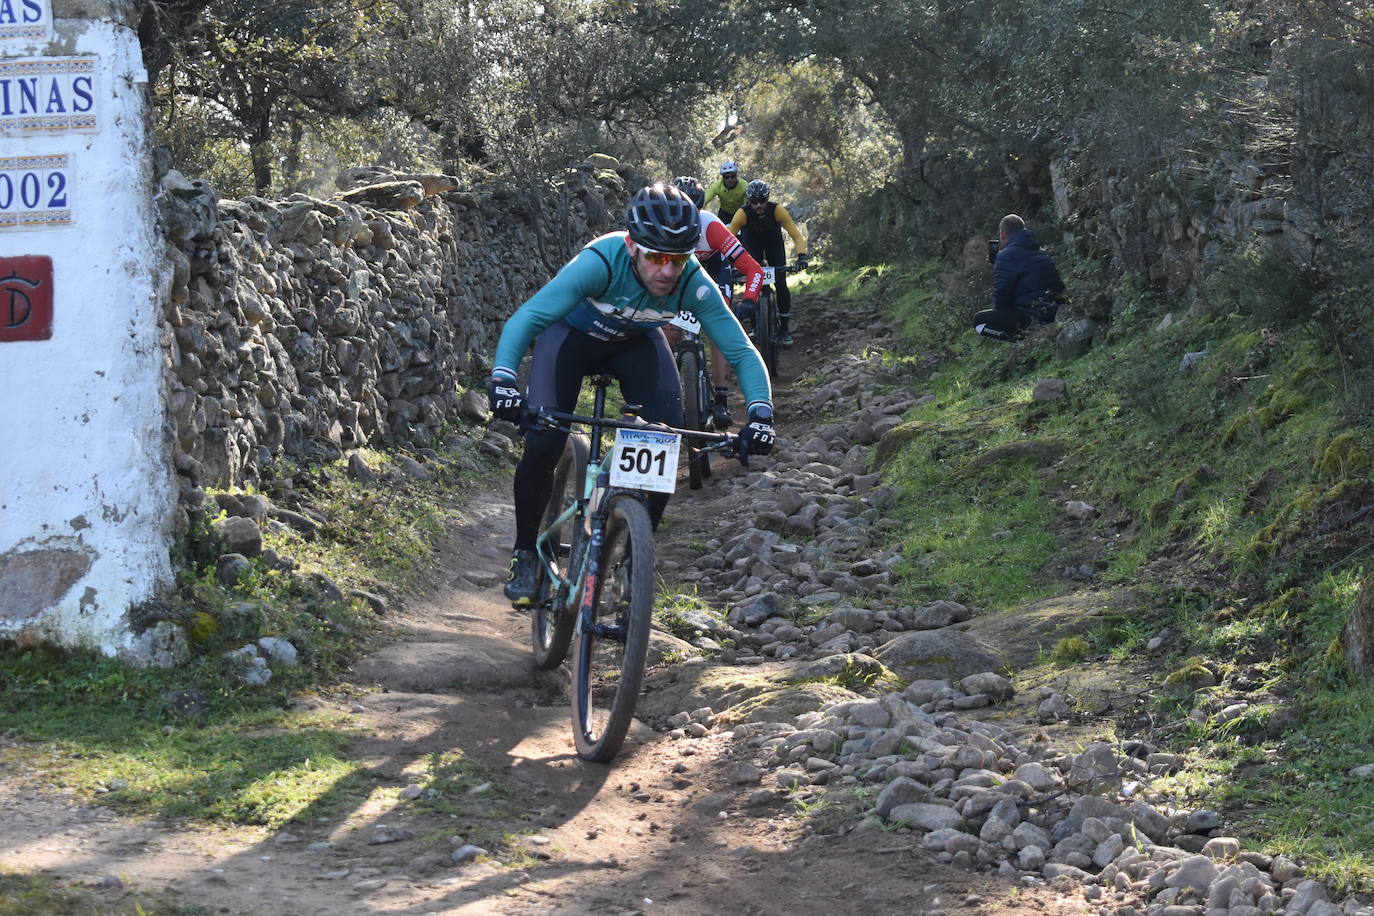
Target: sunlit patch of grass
[(30, 894), (1069, 650), (108, 731), (1120, 636), (1294, 795), (978, 541), (1217, 520), (232, 754), (676, 608), (456, 784), (1235, 636)]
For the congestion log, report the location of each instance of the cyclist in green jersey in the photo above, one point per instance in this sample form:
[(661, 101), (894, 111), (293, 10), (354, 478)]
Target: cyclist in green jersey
[(728, 189)]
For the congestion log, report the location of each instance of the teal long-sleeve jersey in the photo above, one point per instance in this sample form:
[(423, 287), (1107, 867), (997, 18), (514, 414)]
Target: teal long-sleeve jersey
[(599, 294)]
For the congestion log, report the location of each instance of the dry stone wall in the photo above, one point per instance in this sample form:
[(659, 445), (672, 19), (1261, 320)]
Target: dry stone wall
[(301, 328)]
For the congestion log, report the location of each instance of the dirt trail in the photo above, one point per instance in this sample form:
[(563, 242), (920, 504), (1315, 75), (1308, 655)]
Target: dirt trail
[(662, 829)]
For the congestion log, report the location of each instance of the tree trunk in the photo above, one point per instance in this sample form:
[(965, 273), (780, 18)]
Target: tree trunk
[(291, 167), (260, 149), (1357, 638)]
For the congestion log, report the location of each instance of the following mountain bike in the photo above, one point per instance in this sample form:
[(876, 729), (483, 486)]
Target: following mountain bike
[(596, 562), (767, 330), (695, 374)]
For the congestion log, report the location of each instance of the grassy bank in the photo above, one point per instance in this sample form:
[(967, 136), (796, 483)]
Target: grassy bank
[(1229, 493)]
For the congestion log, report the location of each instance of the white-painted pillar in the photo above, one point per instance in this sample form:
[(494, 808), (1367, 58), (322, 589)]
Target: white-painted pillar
[(87, 495)]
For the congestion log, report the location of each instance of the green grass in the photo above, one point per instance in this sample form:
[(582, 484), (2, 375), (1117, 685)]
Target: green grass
[(27, 894), (672, 602), (235, 755), (109, 731), (1236, 487), (981, 540), (1295, 795)]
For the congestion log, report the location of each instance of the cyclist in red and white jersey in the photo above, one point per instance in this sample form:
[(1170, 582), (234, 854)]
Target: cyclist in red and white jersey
[(719, 250)]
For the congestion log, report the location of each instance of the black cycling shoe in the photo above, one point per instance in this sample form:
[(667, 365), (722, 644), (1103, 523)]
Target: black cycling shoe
[(720, 416), (521, 586), (747, 311)]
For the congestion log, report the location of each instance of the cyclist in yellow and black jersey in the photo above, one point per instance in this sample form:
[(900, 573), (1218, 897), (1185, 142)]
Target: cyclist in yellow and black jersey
[(759, 225)]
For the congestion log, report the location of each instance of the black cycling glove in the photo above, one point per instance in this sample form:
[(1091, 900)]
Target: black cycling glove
[(507, 403), (803, 262), (757, 437)]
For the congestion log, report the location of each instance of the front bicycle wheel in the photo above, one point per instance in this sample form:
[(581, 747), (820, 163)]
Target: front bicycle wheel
[(703, 457), (551, 620), (693, 407), (768, 332), (608, 660)]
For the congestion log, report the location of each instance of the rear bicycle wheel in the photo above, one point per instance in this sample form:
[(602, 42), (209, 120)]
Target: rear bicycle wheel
[(693, 406), (769, 330), (551, 620), (608, 660)]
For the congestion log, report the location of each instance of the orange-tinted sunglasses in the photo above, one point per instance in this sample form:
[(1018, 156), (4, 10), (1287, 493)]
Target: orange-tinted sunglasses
[(663, 258)]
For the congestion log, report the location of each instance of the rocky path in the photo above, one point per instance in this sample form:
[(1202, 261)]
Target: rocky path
[(773, 772)]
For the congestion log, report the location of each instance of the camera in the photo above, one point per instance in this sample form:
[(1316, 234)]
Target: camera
[(992, 251)]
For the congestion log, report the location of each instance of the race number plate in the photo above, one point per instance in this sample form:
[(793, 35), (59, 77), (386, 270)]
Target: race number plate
[(768, 275), (645, 460), (687, 321)]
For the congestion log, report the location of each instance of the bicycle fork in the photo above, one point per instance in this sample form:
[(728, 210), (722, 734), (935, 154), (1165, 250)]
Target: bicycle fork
[(591, 581)]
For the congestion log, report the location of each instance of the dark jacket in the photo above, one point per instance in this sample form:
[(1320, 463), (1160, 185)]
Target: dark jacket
[(1025, 278)]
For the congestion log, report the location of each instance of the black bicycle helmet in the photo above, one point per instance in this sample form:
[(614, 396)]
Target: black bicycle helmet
[(692, 188), (756, 190), (663, 219)]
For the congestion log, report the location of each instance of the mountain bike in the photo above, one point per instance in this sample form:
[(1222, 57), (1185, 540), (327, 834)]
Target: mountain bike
[(767, 331), (596, 562), (695, 372)]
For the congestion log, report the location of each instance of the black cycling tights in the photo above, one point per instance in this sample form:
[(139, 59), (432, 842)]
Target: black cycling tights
[(771, 252), (562, 358)]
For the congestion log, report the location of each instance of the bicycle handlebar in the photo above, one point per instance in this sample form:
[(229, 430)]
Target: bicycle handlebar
[(726, 443), (737, 275)]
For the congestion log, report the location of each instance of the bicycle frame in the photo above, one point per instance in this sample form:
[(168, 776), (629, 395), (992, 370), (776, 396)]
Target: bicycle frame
[(596, 493)]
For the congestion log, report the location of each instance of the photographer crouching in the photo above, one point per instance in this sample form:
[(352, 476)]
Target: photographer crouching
[(1026, 290)]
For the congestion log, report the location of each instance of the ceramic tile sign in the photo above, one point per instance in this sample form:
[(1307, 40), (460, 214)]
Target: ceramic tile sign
[(24, 24), (26, 298), (35, 192), (47, 95)]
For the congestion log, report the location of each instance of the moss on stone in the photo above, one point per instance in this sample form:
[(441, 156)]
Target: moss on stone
[(1344, 456), (1283, 607), (1193, 674), (203, 627), (898, 438), (1245, 422)]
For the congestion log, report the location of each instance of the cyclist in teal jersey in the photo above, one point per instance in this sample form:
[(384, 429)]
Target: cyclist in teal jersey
[(603, 313)]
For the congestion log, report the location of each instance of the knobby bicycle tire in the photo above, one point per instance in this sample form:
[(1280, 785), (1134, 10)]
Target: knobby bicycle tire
[(551, 622), (693, 410), (704, 387), (768, 332), (608, 660)]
